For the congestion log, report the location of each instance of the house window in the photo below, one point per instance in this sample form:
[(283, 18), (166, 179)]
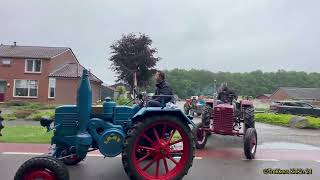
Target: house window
[(6, 62), (52, 88), (25, 88), (33, 65)]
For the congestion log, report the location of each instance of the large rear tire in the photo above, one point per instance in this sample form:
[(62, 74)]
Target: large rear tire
[(200, 136), (250, 143), (163, 134), (46, 168), (249, 121), (206, 115)]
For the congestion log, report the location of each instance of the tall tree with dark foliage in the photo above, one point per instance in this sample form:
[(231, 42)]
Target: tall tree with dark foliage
[(134, 53)]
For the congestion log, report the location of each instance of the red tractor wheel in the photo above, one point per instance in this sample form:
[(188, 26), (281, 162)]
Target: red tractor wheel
[(250, 143), (159, 148), (46, 168), (200, 136)]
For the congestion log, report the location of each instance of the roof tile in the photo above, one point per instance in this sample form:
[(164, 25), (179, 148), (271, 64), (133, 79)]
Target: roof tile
[(30, 51), (72, 70), (302, 93)]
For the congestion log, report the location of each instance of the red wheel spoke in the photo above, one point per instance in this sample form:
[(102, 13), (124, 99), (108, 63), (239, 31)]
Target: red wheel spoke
[(172, 159), (147, 138), (165, 164), (175, 142), (171, 135), (156, 134), (143, 158), (157, 168), (146, 148), (148, 165), (164, 129)]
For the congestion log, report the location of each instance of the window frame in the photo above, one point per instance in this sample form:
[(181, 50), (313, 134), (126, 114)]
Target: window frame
[(54, 92), (32, 97), (6, 59), (33, 66)]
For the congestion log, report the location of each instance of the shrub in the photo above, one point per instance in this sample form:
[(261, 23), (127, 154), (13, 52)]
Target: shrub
[(123, 101), (23, 113), (283, 119), (314, 122), (37, 116), (9, 117), (15, 103), (36, 106)]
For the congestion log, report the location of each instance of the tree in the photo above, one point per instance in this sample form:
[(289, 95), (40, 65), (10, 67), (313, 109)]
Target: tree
[(186, 83), (121, 90), (132, 54)]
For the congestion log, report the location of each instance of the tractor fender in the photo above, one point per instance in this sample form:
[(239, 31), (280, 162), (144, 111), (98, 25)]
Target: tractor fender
[(156, 111)]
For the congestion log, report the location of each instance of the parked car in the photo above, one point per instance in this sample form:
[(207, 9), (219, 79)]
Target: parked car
[(294, 107)]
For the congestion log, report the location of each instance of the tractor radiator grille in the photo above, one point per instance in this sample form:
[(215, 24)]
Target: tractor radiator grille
[(69, 119), (223, 119)]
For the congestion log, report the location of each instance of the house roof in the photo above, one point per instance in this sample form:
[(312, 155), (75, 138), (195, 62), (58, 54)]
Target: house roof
[(72, 70), (301, 93), (108, 87), (10, 51)]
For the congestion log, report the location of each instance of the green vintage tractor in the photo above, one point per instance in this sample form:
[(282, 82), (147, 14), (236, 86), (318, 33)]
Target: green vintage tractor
[(155, 142)]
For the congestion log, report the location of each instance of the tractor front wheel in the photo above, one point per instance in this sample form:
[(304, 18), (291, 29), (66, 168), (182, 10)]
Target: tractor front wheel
[(250, 143), (45, 168), (160, 147), (200, 136)]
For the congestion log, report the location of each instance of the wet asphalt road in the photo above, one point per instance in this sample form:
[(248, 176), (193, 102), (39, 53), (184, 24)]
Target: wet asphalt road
[(222, 158), (96, 168)]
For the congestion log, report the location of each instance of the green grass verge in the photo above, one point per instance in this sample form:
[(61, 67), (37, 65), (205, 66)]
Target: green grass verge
[(19, 105), (283, 119), (25, 134)]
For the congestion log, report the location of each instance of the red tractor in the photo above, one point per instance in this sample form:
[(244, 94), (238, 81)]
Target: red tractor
[(228, 119)]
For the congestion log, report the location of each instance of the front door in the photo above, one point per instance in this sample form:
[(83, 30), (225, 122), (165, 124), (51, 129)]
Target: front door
[(3, 85)]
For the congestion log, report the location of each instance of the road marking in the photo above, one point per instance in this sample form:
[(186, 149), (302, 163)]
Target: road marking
[(21, 153), (275, 160), (89, 155), (95, 155)]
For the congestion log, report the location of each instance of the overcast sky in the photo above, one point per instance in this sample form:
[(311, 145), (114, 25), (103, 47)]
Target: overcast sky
[(224, 35)]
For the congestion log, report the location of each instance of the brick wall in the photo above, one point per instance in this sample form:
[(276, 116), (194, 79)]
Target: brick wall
[(17, 71), (279, 95), (66, 91)]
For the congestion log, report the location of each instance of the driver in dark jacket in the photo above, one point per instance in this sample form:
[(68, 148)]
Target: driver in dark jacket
[(162, 88), (225, 94)]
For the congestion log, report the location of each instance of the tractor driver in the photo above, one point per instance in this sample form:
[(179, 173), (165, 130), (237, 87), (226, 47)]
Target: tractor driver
[(225, 94), (162, 88)]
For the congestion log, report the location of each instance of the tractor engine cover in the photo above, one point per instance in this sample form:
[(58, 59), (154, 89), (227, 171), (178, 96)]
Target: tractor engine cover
[(111, 142)]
